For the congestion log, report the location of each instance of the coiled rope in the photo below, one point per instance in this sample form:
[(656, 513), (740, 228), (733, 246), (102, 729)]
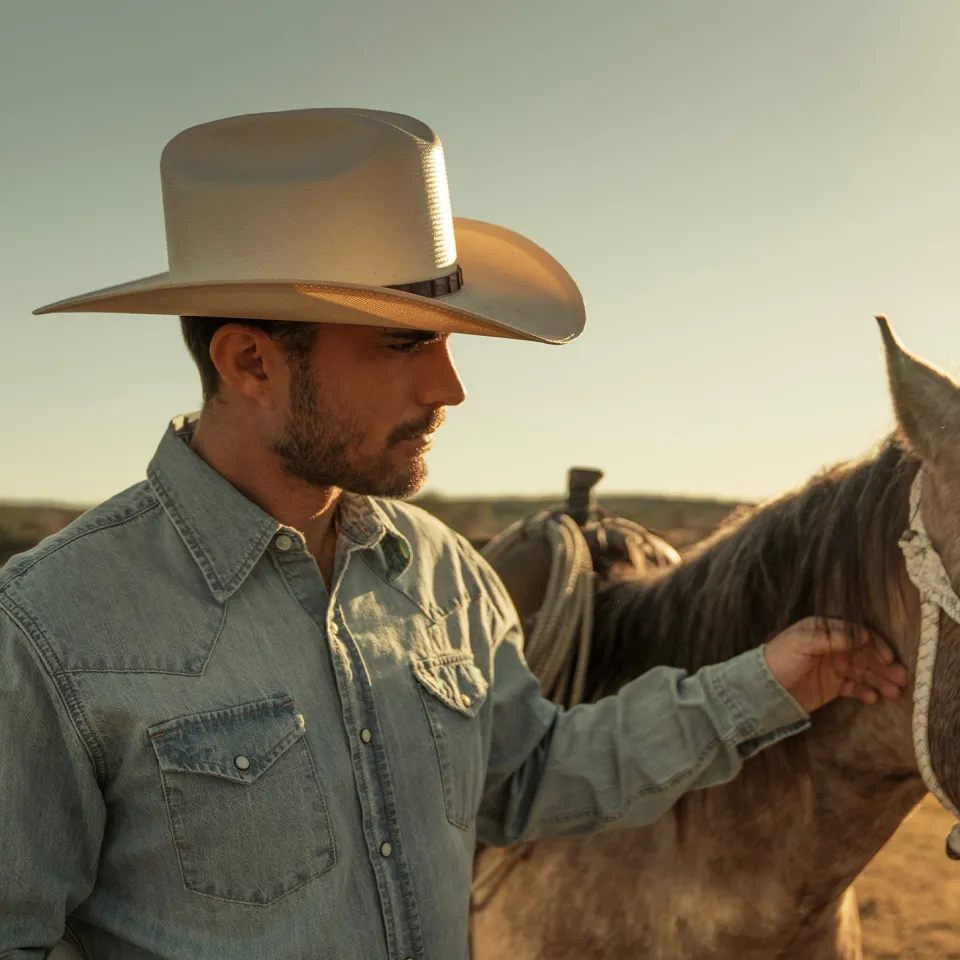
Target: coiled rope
[(557, 649), (559, 644)]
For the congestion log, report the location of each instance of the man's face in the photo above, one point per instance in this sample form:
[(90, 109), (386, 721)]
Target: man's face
[(361, 409)]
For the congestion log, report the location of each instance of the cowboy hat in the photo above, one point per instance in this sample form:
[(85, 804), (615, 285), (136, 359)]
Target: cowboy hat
[(342, 216)]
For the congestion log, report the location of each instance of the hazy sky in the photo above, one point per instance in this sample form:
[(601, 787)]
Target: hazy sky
[(737, 187)]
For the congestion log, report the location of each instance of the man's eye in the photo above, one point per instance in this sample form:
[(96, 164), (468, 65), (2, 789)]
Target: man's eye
[(408, 346), (412, 346)]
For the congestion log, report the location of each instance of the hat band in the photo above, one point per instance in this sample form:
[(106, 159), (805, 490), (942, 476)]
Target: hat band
[(441, 287)]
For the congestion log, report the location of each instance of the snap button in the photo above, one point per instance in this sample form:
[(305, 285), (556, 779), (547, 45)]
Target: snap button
[(300, 721), (332, 629), (386, 849), (283, 542), (465, 700), (241, 762), (365, 735)]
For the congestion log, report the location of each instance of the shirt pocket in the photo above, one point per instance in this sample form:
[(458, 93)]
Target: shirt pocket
[(453, 690), (246, 810)]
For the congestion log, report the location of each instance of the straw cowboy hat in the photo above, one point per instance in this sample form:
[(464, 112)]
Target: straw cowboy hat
[(342, 216)]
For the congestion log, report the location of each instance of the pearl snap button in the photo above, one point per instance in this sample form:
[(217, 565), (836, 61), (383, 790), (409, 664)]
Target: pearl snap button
[(465, 700), (366, 736), (241, 762), (284, 542), (386, 849)]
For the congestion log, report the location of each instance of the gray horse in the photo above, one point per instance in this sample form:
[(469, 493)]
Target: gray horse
[(761, 867)]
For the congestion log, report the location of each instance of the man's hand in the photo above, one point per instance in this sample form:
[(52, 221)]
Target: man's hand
[(817, 665)]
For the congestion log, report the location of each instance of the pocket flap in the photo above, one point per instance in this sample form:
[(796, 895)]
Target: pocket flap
[(237, 743), (454, 679)]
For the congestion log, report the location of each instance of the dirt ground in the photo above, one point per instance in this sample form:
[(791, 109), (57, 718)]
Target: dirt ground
[(910, 894)]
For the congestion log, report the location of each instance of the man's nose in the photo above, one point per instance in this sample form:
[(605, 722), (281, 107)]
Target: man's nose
[(443, 386)]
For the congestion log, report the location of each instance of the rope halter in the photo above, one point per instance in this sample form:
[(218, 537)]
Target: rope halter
[(928, 574)]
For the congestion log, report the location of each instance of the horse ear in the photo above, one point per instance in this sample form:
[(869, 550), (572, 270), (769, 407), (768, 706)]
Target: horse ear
[(926, 400)]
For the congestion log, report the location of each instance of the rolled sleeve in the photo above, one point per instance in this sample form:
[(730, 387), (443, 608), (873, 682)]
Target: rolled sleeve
[(763, 709)]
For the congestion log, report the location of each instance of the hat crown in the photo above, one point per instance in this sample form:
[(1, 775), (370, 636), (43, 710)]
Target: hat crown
[(356, 196), (336, 216)]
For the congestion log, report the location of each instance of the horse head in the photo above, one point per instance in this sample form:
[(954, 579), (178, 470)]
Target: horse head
[(925, 619)]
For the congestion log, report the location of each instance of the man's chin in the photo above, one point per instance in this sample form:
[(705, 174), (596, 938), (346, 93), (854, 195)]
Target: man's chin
[(401, 491), (406, 483), (398, 485)]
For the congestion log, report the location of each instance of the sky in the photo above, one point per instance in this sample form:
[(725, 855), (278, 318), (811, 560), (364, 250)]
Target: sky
[(737, 188)]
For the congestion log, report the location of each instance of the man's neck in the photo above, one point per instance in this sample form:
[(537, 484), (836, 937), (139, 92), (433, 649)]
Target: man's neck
[(256, 473)]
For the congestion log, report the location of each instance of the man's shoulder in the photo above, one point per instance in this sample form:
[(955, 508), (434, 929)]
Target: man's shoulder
[(115, 590), (80, 565), (90, 531)]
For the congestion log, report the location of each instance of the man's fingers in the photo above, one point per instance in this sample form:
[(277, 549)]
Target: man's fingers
[(866, 659), (850, 688), (888, 688), (843, 657), (836, 638), (884, 649), (889, 681), (832, 635)]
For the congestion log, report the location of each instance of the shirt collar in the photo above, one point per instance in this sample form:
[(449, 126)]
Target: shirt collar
[(227, 533), (364, 521)]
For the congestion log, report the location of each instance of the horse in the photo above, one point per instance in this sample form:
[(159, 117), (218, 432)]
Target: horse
[(763, 866)]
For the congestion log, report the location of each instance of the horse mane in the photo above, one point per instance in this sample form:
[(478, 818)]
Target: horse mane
[(828, 548)]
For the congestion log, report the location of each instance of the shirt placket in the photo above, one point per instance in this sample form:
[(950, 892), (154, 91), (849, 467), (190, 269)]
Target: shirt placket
[(381, 822)]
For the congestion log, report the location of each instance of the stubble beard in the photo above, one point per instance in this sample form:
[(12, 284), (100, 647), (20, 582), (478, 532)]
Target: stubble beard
[(315, 445)]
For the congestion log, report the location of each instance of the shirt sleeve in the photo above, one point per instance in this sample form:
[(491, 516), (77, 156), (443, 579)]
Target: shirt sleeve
[(626, 759), (53, 810)]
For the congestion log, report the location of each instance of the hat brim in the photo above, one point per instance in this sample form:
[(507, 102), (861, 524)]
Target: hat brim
[(511, 288)]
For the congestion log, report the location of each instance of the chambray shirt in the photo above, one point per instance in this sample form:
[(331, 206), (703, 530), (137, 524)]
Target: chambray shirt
[(208, 756)]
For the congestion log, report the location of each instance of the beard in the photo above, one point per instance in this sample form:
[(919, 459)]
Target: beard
[(318, 445)]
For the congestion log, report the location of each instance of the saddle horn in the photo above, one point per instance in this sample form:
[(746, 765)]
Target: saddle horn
[(581, 500)]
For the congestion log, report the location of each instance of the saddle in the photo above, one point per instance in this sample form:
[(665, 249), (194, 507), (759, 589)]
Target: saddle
[(619, 549)]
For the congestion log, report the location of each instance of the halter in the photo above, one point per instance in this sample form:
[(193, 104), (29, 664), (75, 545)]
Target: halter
[(928, 575)]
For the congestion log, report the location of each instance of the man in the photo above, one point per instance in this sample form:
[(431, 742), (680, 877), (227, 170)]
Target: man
[(255, 706)]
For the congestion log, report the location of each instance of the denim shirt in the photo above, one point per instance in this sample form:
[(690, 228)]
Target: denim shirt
[(208, 756)]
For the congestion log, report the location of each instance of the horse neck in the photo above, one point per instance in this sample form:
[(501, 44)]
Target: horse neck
[(805, 816), (858, 760), (826, 800)]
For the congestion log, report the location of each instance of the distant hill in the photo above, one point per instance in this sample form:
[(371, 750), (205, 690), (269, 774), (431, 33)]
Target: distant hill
[(681, 521)]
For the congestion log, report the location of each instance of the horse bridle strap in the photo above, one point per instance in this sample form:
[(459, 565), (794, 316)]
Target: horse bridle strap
[(928, 574)]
